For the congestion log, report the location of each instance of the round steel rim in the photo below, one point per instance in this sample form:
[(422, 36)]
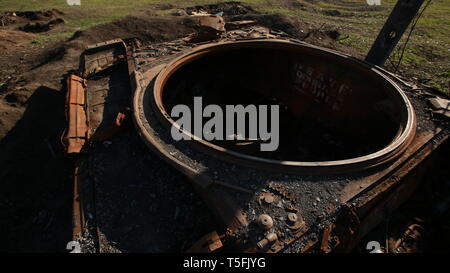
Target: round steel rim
[(398, 145)]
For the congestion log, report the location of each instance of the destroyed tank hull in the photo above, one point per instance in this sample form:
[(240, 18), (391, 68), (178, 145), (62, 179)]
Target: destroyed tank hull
[(354, 140)]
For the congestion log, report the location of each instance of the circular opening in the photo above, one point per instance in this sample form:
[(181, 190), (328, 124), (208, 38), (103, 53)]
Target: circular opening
[(332, 109)]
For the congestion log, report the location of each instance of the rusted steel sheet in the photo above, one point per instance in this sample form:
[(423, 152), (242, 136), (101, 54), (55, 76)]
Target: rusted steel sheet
[(107, 95), (101, 56), (117, 126), (77, 217), (77, 130), (102, 45)]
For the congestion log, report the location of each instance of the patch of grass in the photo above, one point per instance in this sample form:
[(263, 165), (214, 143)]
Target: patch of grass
[(44, 40), (354, 41)]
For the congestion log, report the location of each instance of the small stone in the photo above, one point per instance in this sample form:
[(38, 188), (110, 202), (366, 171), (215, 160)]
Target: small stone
[(107, 143), (268, 199), (180, 12)]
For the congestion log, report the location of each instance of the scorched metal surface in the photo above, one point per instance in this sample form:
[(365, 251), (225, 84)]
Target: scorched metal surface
[(283, 202)]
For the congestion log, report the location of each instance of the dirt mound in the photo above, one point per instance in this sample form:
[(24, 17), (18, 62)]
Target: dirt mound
[(320, 35), (41, 27), (31, 21), (286, 24), (17, 18), (12, 38), (39, 15), (228, 8), (323, 36), (144, 26)]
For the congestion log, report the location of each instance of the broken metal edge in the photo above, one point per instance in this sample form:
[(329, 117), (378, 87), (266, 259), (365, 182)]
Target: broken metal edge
[(95, 48)]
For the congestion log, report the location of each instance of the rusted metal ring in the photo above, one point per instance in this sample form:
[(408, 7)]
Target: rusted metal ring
[(392, 151)]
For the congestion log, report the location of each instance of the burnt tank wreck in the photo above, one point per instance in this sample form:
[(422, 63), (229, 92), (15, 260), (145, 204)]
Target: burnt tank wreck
[(354, 141)]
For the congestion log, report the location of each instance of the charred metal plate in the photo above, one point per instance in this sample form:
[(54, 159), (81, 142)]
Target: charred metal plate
[(102, 56), (108, 89)]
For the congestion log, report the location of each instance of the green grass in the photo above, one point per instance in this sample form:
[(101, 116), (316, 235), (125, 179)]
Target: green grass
[(428, 52), (430, 38), (49, 39)]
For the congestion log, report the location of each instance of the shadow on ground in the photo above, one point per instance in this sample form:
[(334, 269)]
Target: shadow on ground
[(35, 200)]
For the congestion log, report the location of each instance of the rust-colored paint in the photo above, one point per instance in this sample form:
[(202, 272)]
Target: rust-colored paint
[(324, 246), (119, 124), (76, 133)]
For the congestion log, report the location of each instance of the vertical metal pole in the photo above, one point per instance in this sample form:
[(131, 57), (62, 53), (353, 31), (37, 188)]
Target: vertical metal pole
[(398, 21)]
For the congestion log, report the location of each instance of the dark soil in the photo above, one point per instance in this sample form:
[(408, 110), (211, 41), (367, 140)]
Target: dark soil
[(31, 21), (228, 8), (41, 27)]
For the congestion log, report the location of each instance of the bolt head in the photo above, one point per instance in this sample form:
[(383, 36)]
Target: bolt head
[(265, 222), (292, 217)]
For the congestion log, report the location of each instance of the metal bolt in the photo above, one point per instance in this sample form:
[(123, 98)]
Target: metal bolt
[(292, 217), (265, 222), (270, 239)]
